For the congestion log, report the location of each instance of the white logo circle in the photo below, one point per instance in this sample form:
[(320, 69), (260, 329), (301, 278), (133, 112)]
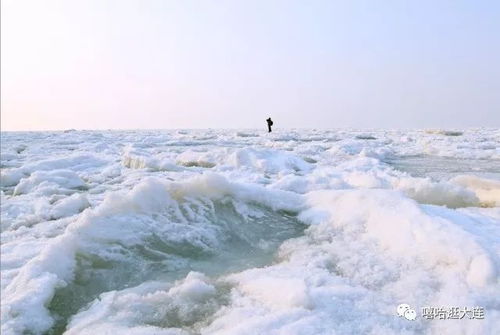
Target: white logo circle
[(410, 314)]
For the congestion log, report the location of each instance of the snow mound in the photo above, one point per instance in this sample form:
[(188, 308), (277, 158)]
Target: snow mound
[(152, 308), (135, 159), (50, 182), (268, 161), (486, 190)]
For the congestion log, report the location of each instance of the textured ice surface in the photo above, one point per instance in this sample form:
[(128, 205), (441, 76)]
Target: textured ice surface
[(245, 232)]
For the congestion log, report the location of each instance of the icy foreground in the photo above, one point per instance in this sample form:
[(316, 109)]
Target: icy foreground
[(244, 232)]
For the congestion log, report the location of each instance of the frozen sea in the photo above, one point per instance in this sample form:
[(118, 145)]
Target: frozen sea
[(245, 232)]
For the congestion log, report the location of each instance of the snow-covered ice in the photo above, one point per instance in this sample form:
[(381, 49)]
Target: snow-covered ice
[(245, 232)]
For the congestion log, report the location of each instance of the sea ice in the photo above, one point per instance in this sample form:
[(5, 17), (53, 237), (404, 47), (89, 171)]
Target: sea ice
[(245, 232)]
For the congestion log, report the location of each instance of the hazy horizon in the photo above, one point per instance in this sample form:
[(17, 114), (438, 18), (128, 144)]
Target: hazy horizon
[(98, 65)]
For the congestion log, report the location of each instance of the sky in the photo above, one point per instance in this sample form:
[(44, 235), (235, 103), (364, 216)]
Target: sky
[(154, 64)]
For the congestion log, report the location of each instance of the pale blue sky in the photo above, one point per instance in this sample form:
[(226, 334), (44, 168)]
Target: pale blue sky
[(99, 64)]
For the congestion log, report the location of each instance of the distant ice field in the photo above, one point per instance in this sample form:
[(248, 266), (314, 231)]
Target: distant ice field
[(245, 232), (437, 167)]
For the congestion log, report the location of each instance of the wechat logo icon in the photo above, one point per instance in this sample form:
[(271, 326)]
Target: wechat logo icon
[(404, 310)]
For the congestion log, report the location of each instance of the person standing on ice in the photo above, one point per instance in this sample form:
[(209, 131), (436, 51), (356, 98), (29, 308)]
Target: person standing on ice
[(269, 124)]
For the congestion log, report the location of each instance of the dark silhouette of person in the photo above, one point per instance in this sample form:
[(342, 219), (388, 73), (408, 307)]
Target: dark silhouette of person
[(269, 124)]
